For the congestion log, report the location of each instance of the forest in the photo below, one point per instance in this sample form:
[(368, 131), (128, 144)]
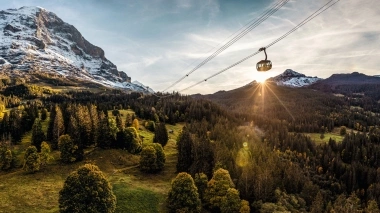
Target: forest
[(232, 155)]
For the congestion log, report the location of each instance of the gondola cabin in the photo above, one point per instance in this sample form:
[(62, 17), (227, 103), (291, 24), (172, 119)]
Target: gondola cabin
[(264, 65)]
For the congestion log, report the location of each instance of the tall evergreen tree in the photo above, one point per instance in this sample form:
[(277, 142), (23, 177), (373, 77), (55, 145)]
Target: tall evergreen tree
[(58, 127), (49, 133), (94, 124), (161, 134), (105, 138), (37, 134), (185, 151)]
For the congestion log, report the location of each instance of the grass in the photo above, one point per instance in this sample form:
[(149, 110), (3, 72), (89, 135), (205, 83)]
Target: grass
[(135, 190), (130, 199), (333, 135)]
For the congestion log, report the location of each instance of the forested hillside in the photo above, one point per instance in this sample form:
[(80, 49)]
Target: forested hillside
[(250, 154)]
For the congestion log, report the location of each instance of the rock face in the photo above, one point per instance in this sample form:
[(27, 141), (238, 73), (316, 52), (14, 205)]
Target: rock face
[(34, 39), (292, 78)]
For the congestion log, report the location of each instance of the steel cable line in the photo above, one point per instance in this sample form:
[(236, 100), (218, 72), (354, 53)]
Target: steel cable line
[(309, 18), (237, 37)]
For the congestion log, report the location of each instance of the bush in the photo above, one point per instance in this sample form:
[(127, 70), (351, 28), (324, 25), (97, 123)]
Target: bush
[(87, 190)]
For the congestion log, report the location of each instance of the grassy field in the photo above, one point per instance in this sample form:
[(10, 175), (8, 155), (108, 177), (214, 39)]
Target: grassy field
[(333, 135), (135, 191)]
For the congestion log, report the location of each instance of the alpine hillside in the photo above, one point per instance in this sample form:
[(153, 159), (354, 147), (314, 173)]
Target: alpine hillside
[(292, 78), (37, 45)]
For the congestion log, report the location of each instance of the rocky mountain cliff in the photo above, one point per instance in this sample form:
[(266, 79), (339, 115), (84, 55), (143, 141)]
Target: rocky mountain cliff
[(34, 40), (292, 78)]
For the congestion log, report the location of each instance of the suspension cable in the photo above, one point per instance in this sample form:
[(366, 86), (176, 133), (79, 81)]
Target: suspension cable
[(237, 37), (309, 18)]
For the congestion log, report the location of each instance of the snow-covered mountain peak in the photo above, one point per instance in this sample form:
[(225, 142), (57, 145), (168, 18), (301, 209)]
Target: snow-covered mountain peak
[(34, 40), (292, 78)]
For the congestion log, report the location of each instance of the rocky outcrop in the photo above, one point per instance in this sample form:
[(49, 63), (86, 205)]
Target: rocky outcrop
[(36, 39)]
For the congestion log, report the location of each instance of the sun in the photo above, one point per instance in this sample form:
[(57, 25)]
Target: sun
[(260, 77)]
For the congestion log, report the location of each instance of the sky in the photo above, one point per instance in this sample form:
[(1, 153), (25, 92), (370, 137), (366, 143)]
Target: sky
[(156, 42)]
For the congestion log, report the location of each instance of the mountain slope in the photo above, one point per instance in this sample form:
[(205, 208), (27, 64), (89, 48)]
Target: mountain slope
[(292, 78), (351, 84), (34, 40)]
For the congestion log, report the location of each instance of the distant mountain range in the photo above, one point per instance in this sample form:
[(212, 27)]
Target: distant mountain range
[(35, 42), (292, 78)]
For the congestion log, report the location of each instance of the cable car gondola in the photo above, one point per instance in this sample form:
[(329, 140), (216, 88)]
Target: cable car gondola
[(264, 65)]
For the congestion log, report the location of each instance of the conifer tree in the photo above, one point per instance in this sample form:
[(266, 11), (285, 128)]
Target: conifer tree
[(31, 160), (6, 157), (185, 151), (217, 188), (135, 124), (43, 114), (183, 196), (37, 134), (152, 158), (87, 190), (105, 138), (68, 149), (58, 127), (49, 134), (231, 202), (94, 124), (201, 183), (244, 207), (45, 155), (161, 135)]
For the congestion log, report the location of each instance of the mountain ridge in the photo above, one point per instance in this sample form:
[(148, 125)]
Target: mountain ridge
[(34, 39), (291, 78)]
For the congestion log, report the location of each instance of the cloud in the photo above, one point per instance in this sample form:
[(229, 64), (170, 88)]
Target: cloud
[(158, 41)]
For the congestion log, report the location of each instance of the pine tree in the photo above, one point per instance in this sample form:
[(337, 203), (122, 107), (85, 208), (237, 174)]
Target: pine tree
[(43, 114), (68, 149), (183, 196), (231, 202), (217, 188), (244, 207), (148, 159), (161, 135), (135, 123), (119, 123), (201, 183), (45, 155), (317, 205), (58, 127), (185, 151), (49, 134), (6, 157), (31, 160), (37, 134), (87, 190), (105, 138), (94, 124)]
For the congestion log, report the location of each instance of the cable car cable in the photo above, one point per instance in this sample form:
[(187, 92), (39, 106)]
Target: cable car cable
[(237, 37), (309, 18)]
